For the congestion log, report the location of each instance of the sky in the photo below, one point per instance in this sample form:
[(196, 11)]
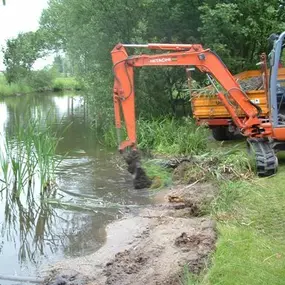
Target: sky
[(20, 16)]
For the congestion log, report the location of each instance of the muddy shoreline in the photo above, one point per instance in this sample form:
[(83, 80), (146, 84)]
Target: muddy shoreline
[(152, 246)]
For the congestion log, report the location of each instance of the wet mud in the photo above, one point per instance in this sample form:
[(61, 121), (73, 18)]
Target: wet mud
[(152, 246), (140, 178)]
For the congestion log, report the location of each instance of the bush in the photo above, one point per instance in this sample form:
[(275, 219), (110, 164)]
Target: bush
[(41, 80), (13, 88), (66, 83), (166, 136)]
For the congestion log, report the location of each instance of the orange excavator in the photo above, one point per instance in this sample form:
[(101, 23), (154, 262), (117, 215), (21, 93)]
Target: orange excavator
[(265, 135)]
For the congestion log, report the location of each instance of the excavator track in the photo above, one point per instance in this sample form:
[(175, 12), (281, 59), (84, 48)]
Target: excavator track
[(264, 155)]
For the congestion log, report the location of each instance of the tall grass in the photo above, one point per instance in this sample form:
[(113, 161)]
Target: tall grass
[(13, 88), (29, 154), (28, 165), (66, 83), (166, 136), (38, 83)]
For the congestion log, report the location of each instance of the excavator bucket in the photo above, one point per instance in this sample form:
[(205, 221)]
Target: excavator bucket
[(140, 178)]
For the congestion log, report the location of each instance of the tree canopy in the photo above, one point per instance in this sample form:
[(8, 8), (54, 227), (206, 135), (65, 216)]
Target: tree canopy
[(21, 52), (237, 31), (88, 30)]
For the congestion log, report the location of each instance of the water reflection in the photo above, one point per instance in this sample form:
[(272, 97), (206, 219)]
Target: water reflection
[(87, 194)]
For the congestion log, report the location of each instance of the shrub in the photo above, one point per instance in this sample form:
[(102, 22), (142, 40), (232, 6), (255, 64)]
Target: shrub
[(40, 80), (165, 136)]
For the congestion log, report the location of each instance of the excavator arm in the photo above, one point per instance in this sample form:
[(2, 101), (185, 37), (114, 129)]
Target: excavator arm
[(179, 55)]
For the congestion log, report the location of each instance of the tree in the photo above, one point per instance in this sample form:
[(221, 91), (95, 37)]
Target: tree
[(58, 63), (88, 30), (63, 65), (21, 53), (238, 31)]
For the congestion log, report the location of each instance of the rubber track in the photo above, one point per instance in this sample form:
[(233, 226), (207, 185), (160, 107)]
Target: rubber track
[(266, 160)]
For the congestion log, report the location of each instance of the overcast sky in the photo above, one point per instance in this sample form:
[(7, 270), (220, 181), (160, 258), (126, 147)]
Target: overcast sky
[(20, 16)]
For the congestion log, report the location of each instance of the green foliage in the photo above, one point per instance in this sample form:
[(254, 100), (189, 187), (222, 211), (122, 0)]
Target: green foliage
[(21, 53), (87, 31), (103, 24), (251, 241), (216, 165), (28, 153), (160, 176), (172, 136), (166, 136), (63, 65), (41, 80), (66, 83), (238, 31), (13, 88)]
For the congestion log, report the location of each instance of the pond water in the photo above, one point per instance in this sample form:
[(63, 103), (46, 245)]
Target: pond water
[(90, 190)]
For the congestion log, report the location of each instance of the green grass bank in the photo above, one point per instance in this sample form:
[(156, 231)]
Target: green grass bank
[(37, 84), (249, 211), (250, 217), (250, 221)]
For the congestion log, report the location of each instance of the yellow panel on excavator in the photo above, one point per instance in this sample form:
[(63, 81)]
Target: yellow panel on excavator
[(210, 107)]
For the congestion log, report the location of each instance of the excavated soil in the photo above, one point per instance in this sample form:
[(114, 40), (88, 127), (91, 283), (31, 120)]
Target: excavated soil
[(252, 83), (150, 247)]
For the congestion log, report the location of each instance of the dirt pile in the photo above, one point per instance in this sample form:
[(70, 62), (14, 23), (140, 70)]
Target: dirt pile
[(247, 84), (252, 83), (151, 247), (161, 256)]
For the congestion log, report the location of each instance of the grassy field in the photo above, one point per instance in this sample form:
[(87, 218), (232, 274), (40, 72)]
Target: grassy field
[(58, 84), (251, 245), (66, 83), (251, 229)]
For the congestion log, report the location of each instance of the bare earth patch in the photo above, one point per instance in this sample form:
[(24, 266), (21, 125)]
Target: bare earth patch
[(151, 247)]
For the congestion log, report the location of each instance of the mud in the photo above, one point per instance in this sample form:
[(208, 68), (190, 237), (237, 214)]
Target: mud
[(253, 83), (149, 247), (140, 179)]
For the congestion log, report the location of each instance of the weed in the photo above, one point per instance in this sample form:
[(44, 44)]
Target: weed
[(31, 151), (190, 278), (165, 136), (160, 176), (188, 173)]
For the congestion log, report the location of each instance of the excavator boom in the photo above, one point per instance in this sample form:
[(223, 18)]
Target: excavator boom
[(192, 55)]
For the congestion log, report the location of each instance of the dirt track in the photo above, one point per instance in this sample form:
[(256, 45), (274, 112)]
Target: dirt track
[(150, 247)]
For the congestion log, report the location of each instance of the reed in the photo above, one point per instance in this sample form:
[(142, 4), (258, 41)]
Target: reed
[(29, 153)]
